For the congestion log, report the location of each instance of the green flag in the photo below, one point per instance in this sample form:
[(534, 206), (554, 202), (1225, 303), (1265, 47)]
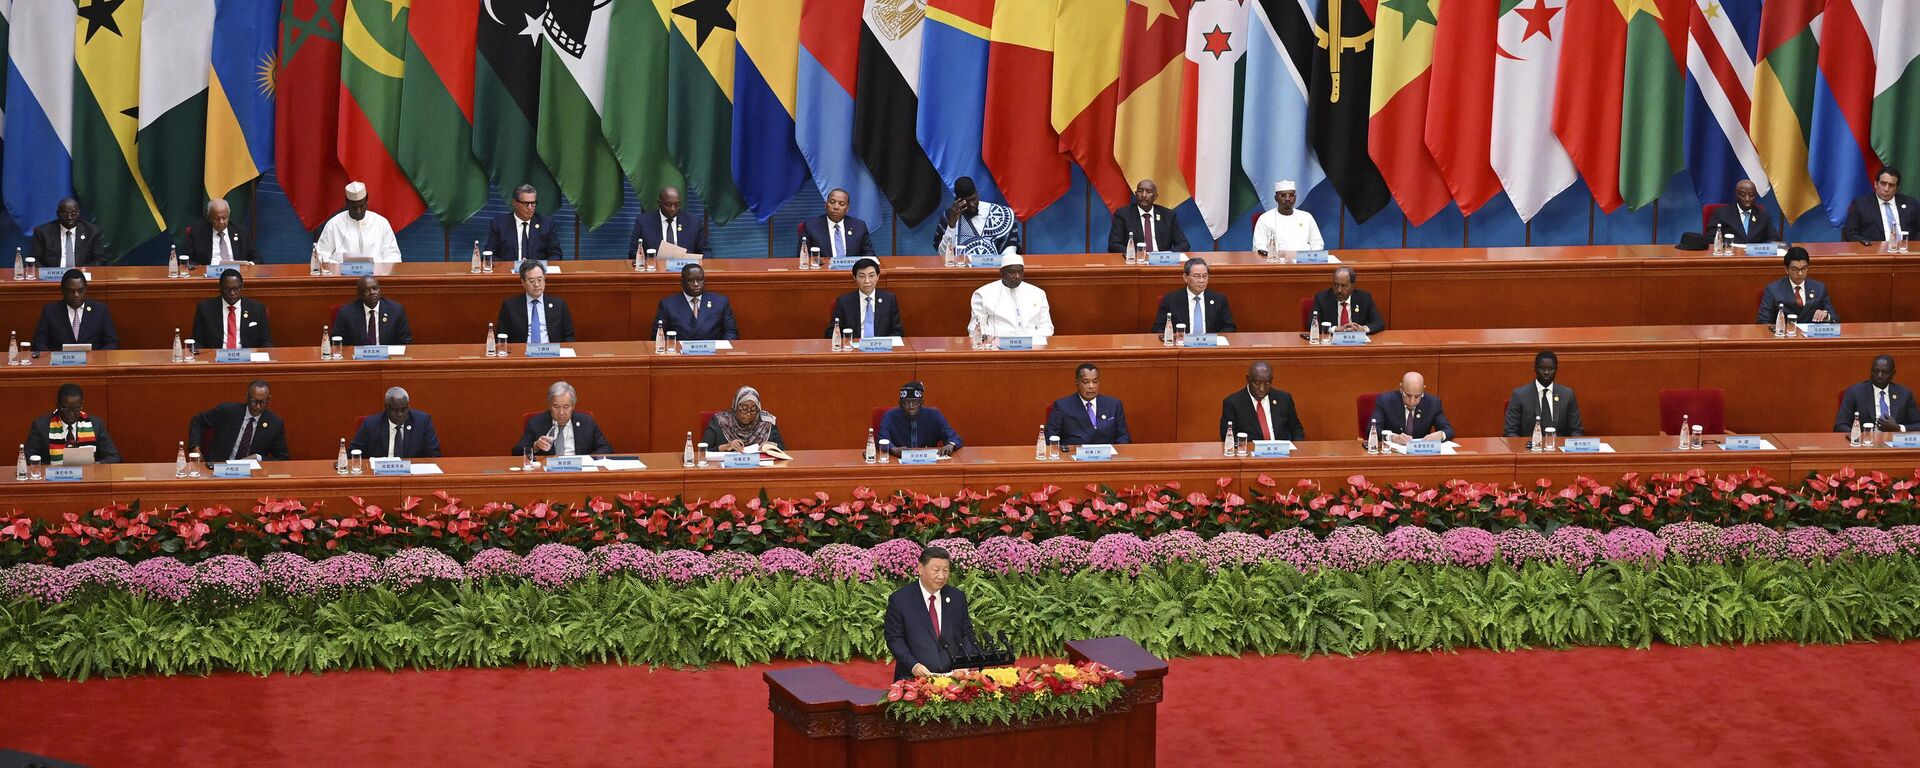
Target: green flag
[(436, 106), (635, 115), (106, 108), (506, 102), (173, 108), (573, 71), (700, 102), (1651, 149), (374, 35)]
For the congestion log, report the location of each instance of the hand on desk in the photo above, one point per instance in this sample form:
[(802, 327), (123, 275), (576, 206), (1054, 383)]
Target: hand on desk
[(1351, 327), (1820, 316)]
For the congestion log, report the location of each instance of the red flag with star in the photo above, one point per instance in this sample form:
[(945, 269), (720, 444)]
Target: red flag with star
[(1146, 126), (306, 95)]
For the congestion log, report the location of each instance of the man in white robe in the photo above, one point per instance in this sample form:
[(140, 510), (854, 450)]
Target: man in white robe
[(357, 231)]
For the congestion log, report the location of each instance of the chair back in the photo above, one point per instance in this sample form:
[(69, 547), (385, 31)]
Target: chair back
[(706, 417), (1306, 313), (1706, 217), (1363, 408), (1703, 407), (877, 413)]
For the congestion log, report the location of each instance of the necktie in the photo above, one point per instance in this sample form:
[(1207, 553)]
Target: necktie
[(673, 234), (66, 250), (933, 613), (245, 447), (1892, 220), (1883, 406), (523, 240), (1266, 427), (1198, 317), (1546, 408), (1091, 416), (866, 320), (536, 329), (1346, 316), (373, 326), (1409, 423), (839, 239), (1800, 294), (393, 438), (220, 248), (233, 327), (1744, 223), (75, 315), (1146, 226), (693, 303)]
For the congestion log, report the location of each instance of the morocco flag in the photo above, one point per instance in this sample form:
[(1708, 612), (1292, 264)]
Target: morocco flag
[(307, 109)]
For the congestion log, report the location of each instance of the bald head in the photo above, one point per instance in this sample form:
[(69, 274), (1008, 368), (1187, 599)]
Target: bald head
[(1413, 384)]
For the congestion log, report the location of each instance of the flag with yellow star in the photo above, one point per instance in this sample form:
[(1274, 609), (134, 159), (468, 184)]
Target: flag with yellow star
[(106, 117)]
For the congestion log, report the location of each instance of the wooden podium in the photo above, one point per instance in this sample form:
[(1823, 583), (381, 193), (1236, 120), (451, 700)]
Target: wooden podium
[(820, 720)]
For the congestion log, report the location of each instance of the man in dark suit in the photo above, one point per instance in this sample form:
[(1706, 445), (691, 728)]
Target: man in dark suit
[(534, 317), (74, 319), (1878, 401), (1409, 410), (1348, 308), (1088, 417), (693, 313), (560, 430), (1215, 317), (1152, 227), (836, 233), (370, 320), (1869, 216), (240, 430), (523, 233), (231, 321), (221, 241), (398, 432), (913, 425), (1261, 411), (1550, 403), (867, 310), (1746, 220), (927, 618), (667, 223), (1804, 299), (68, 240), (70, 426)]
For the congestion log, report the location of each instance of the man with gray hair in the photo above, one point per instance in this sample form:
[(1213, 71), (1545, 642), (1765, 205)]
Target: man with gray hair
[(357, 232), (560, 430), (522, 233), (399, 432), (221, 241)]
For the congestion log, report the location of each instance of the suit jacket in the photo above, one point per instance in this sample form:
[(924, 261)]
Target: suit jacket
[(1864, 223), (513, 319), (1176, 303), (715, 320), (846, 309), (908, 628), (1524, 405), (104, 451), (1167, 234), (543, 243), (199, 244), (54, 331), (646, 231), (1068, 420), (859, 239), (1389, 412), (588, 440), (89, 246), (225, 421), (350, 324), (1859, 399), (210, 327), (1364, 311), (419, 441), (1238, 408), (1779, 295), (1761, 230), (932, 430)]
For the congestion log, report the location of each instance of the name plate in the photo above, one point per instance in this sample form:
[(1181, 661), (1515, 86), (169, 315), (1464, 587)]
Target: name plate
[(1821, 330), (932, 455), (232, 470), (1349, 338), (1093, 452), (699, 347), (1310, 257), (1013, 342), (69, 358), (1769, 250), (543, 350), (988, 260), (392, 466), (1164, 258), (371, 352), (675, 265), (842, 262), (66, 474), (233, 355), (1904, 440), (1424, 448), (1581, 445), (1201, 340), (875, 344), (739, 460), (1743, 443), (564, 463), (356, 268), (52, 274), (1272, 449)]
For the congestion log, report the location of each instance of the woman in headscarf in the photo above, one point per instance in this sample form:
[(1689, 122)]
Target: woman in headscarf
[(744, 425)]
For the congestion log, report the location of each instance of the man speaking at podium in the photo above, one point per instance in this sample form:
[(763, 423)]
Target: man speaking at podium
[(925, 617)]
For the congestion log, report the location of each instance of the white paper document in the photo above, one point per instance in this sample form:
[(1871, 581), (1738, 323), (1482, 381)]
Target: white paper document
[(616, 465), (426, 469)]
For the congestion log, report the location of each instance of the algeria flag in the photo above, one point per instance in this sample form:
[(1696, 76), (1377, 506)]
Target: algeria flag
[(1527, 155), (1216, 39)]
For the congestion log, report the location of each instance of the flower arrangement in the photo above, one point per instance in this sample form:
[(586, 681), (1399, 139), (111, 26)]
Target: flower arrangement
[(1005, 695)]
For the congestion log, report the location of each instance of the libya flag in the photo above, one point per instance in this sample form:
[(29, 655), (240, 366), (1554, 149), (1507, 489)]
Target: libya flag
[(634, 117), (573, 71), (436, 109), (106, 108), (506, 97)]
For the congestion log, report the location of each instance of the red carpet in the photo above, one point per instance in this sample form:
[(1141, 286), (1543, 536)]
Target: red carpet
[(1765, 705)]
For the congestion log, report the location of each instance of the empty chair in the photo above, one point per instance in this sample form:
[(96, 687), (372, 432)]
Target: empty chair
[(1705, 408)]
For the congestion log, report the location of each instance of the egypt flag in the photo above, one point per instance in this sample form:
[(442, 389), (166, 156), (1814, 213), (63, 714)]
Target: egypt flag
[(885, 106), (1396, 140), (1216, 40), (823, 104)]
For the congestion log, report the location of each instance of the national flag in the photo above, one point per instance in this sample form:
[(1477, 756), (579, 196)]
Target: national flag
[(700, 102), (1782, 121), (1147, 124), (506, 98), (635, 111), (1459, 128), (1722, 36), (885, 107), (1397, 112), (106, 107), (6, 27), (573, 88), (823, 96), (1533, 167), (1017, 138), (1338, 93), (436, 109), (1896, 84), (1086, 74), (37, 170), (767, 164), (1651, 96), (1216, 40), (171, 140), (240, 94), (1273, 119), (1840, 147), (1587, 95), (306, 108), (374, 34), (953, 64)]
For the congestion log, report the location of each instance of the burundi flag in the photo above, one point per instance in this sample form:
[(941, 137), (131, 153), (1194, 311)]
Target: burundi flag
[(573, 91), (240, 94), (1216, 39), (173, 105), (767, 165), (1896, 84), (1722, 36), (885, 106), (436, 109), (506, 97), (37, 170), (374, 34), (1840, 149), (700, 63), (953, 64), (1782, 119), (635, 116), (823, 100), (106, 109), (1533, 167), (1273, 120)]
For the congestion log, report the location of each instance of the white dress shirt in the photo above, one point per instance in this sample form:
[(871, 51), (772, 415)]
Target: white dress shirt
[(1294, 232), (222, 246), (1019, 311), (371, 236)]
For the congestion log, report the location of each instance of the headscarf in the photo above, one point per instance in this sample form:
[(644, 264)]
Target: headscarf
[(730, 428)]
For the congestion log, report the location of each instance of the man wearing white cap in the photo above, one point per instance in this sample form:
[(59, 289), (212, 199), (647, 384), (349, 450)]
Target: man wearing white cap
[(1285, 229), (357, 231), (1011, 306)]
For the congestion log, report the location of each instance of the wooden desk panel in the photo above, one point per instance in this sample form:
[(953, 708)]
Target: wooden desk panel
[(1645, 454), (1792, 385)]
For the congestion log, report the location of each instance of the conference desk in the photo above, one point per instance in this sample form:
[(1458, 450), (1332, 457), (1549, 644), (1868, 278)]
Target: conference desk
[(1089, 293), (1195, 466), (824, 399)]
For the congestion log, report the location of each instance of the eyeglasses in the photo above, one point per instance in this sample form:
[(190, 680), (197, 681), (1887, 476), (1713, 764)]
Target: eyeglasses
[(525, 202), (251, 401)]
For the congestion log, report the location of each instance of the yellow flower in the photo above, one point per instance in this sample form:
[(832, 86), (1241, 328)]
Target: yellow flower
[(1003, 675), (941, 682), (1066, 670)]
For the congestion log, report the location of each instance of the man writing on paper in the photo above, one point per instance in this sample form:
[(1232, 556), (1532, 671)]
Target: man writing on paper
[(1261, 411), (357, 232), (523, 233), (1802, 299), (913, 425), (1286, 229), (1878, 401), (926, 618), (70, 427), (1199, 309), (1346, 307), (1553, 404), (977, 229), (1745, 219), (398, 432), (1409, 410), (560, 430), (1152, 227), (240, 430), (1010, 306)]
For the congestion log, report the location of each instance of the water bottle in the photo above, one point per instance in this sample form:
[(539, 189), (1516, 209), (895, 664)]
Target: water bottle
[(313, 261), (1779, 323), (1373, 436), (473, 266), (1040, 445), (1537, 443), (20, 464), (1226, 441), (173, 256), (19, 265), (1853, 435), (178, 355), (1717, 242), (946, 251), (686, 454), (1273, 250), (1166, 332), (836, 334), (13, 347), (1131, 258), (660, 341), (869, 455), (173, 266), (1313, 329), (1685, 442), (326, 343), (806, 262), (639, 258), (340, 459), (180, 460), (491, 349)]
